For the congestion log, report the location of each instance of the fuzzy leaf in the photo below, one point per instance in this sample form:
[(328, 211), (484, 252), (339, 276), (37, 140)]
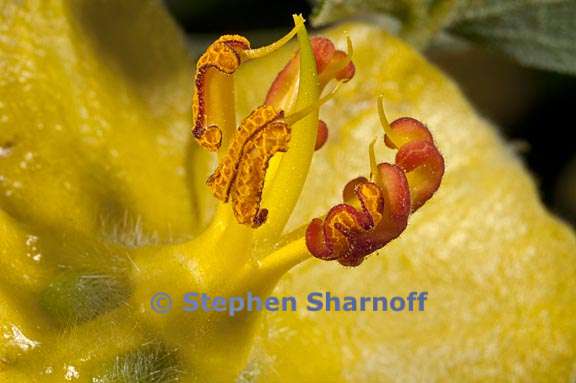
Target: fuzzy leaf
[(327, 11), (536, 33)]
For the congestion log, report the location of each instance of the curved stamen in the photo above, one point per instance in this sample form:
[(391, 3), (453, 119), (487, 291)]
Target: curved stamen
[(215, 66), (420, 160), (213, 100), (376, 212), (241, 171), (417, 155), (338, 64), (330, 64), (349, 233)]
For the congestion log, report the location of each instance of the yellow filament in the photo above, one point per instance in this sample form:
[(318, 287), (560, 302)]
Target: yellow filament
[(300, 114), (384, 121), (285, 258), (349, 48), (374, 173), (268, 49)]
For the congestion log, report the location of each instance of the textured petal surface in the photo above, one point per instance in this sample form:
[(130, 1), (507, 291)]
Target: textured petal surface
[(499, 269), (95, 120), (94, 159)]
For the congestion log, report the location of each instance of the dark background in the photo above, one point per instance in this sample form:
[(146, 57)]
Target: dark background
[(532, 108)]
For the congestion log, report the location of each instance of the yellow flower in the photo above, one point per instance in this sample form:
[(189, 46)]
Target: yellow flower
[(104, 205)]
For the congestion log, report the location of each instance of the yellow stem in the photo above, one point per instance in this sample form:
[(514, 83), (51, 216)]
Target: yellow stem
[(222, 217)]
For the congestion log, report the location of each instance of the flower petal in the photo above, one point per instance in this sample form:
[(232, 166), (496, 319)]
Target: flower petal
[(95, 122), (499, 270)]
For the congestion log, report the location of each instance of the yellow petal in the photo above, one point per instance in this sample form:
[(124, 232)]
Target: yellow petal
[(95, 156), (95, 121), (499, 269)]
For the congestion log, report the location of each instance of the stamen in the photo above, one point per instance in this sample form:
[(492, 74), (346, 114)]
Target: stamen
[(241, 172), (330, 64), (420, 160), (212, 104), (247, 189), (338, 64), (216, 65), (349, 233), (321, 136), (375, 213)]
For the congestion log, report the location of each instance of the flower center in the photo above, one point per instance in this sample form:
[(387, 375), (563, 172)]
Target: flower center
[(374, 211), (262, 166)]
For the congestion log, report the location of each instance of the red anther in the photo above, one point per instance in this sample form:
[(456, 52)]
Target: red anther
[(424, 167), (331, 64), (376, 212), (221, 59), (322, 135), (418, 157), (372, 217)]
